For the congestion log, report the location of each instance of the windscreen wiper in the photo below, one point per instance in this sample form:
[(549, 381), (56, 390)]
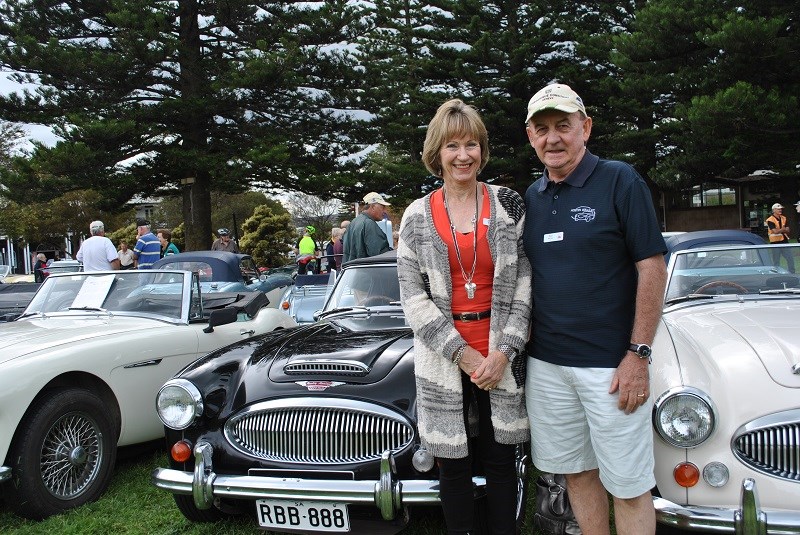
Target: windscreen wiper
[(691, 297), (342, 309)]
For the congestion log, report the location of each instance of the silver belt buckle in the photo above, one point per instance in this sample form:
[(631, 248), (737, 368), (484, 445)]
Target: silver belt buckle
[(464, 316)]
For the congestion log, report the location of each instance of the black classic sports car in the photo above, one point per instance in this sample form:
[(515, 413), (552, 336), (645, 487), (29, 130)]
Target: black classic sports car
[(313, 429)]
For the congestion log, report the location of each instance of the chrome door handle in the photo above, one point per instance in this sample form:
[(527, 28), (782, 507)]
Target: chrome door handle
[(244, 332)]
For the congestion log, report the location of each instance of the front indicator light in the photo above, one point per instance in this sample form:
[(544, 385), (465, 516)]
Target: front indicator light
[(285, 305), (686, 475), (181, 451), (716, 474)]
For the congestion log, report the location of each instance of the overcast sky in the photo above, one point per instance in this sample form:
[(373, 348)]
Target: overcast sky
[(34, 131)]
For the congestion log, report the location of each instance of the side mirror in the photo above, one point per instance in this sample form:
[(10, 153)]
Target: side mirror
[(222, 316)]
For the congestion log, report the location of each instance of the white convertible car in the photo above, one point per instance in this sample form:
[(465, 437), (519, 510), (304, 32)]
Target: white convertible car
[(79, 370), (726, 385)]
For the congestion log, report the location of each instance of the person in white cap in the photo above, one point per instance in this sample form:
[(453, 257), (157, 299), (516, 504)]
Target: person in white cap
[(97, 253), (778, 233), (592, 237), (364, 237)]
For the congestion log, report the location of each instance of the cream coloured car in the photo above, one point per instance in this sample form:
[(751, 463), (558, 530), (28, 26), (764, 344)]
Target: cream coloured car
[(79, 370), (726, 385)]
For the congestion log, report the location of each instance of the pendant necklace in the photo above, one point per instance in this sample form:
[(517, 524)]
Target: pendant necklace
[(469, 286)]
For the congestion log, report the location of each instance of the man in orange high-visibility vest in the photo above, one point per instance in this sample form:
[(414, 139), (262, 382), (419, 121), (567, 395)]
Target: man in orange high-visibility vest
[(778, 232)]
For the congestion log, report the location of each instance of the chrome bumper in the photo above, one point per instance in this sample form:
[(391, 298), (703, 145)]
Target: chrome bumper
[(387, 493), (5, 473), (748, 519)]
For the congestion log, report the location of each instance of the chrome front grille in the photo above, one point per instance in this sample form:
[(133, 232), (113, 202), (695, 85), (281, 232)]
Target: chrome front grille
[(327, 367), (771, 444), (318, 430)]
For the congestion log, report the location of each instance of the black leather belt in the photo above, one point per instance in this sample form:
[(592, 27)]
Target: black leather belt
[(472, 316)]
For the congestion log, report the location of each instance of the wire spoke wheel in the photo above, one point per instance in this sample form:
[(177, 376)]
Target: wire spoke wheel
[(71, 453)]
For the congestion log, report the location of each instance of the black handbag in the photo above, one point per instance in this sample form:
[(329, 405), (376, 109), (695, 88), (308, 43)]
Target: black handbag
[(554, 514)]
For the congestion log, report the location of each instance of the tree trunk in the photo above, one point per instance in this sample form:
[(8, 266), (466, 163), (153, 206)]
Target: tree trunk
[(194, 138)]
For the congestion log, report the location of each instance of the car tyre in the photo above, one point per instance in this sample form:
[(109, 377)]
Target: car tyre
[(191, 512), (64, 454)]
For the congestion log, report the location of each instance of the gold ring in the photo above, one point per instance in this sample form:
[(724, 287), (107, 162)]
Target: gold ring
[(639, 395)]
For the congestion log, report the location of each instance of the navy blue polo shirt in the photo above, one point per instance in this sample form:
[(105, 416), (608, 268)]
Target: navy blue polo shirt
[(583, 237)]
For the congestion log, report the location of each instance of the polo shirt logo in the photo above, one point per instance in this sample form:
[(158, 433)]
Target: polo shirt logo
[(583, 213)]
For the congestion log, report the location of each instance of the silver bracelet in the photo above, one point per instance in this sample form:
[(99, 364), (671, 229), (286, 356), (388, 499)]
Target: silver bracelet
[(458, 355)]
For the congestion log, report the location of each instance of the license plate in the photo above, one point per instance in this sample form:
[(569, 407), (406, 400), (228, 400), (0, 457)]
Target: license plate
[(310, 516)]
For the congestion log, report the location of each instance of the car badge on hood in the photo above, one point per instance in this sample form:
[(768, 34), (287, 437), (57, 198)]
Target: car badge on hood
[(318, 386)]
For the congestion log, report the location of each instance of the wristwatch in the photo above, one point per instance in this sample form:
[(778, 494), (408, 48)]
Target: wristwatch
[(642, 350), (507, 350)]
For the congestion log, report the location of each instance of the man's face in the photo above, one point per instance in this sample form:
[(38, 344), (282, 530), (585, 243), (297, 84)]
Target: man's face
[(225, 238), (375, 211), (778, 211), (124, 247), (797, 207), (141, 231), (559, 139)]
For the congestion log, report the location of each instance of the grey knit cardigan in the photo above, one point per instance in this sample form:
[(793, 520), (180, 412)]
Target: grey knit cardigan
[(425, 292)]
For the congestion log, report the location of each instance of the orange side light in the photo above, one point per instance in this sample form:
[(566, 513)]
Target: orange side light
[(686, 475), (285, 305), (181, 451)]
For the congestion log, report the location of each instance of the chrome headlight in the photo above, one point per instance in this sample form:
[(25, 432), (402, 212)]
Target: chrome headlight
[(684, 417), (178, 404)]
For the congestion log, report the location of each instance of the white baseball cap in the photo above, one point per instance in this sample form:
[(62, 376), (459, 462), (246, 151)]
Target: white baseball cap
[(777, 205), (555, 97), (375, 198)]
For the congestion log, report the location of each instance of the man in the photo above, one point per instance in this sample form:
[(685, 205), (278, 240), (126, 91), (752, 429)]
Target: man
[(778, 233), (148, 249), (125, 255), (307, 250), (224, 242), (363, 236), (598, 279), (97, 253)]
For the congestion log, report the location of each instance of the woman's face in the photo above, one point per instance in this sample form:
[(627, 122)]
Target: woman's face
[(461, 159)]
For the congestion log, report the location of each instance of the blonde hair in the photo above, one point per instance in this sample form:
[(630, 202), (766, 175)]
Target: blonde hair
[(453, 119)]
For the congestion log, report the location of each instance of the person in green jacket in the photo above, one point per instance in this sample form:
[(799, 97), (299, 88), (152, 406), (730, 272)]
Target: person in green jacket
[(363, 236)]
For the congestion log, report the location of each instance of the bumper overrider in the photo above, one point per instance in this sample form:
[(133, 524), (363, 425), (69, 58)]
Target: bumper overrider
[(388, 493), (748, 519)]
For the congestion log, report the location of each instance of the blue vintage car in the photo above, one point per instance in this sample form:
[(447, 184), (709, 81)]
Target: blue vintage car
[(221, 271)]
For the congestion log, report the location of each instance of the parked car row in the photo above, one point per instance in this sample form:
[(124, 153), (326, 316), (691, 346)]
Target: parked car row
[(313, 428)]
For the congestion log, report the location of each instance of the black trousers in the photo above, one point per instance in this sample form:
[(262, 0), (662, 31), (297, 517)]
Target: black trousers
[(498, 461)]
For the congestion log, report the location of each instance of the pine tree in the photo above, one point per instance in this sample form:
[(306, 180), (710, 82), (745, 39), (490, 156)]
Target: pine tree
[(186, 97)]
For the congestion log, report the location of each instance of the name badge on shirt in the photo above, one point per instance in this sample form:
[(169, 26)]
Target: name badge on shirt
[(553, 236)]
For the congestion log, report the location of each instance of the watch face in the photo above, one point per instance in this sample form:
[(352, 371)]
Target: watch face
[(644, 350)]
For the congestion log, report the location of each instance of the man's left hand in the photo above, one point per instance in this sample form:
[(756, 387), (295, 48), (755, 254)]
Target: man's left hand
[(632, 381)]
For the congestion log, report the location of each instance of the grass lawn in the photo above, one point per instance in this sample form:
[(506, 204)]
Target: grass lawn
[(132, 505)]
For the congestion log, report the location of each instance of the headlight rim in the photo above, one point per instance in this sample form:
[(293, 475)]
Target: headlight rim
[(193, 392), (684, 391)]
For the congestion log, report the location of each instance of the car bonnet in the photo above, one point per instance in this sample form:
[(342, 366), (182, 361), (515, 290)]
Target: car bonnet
[(733, 333)]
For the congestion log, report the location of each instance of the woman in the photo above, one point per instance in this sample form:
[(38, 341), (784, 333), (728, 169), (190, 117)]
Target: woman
[(470, 314), (334, 258), (167, 247), (39, 267)]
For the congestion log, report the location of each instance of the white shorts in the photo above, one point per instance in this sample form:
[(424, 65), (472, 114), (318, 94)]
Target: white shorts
[(576, 426)]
